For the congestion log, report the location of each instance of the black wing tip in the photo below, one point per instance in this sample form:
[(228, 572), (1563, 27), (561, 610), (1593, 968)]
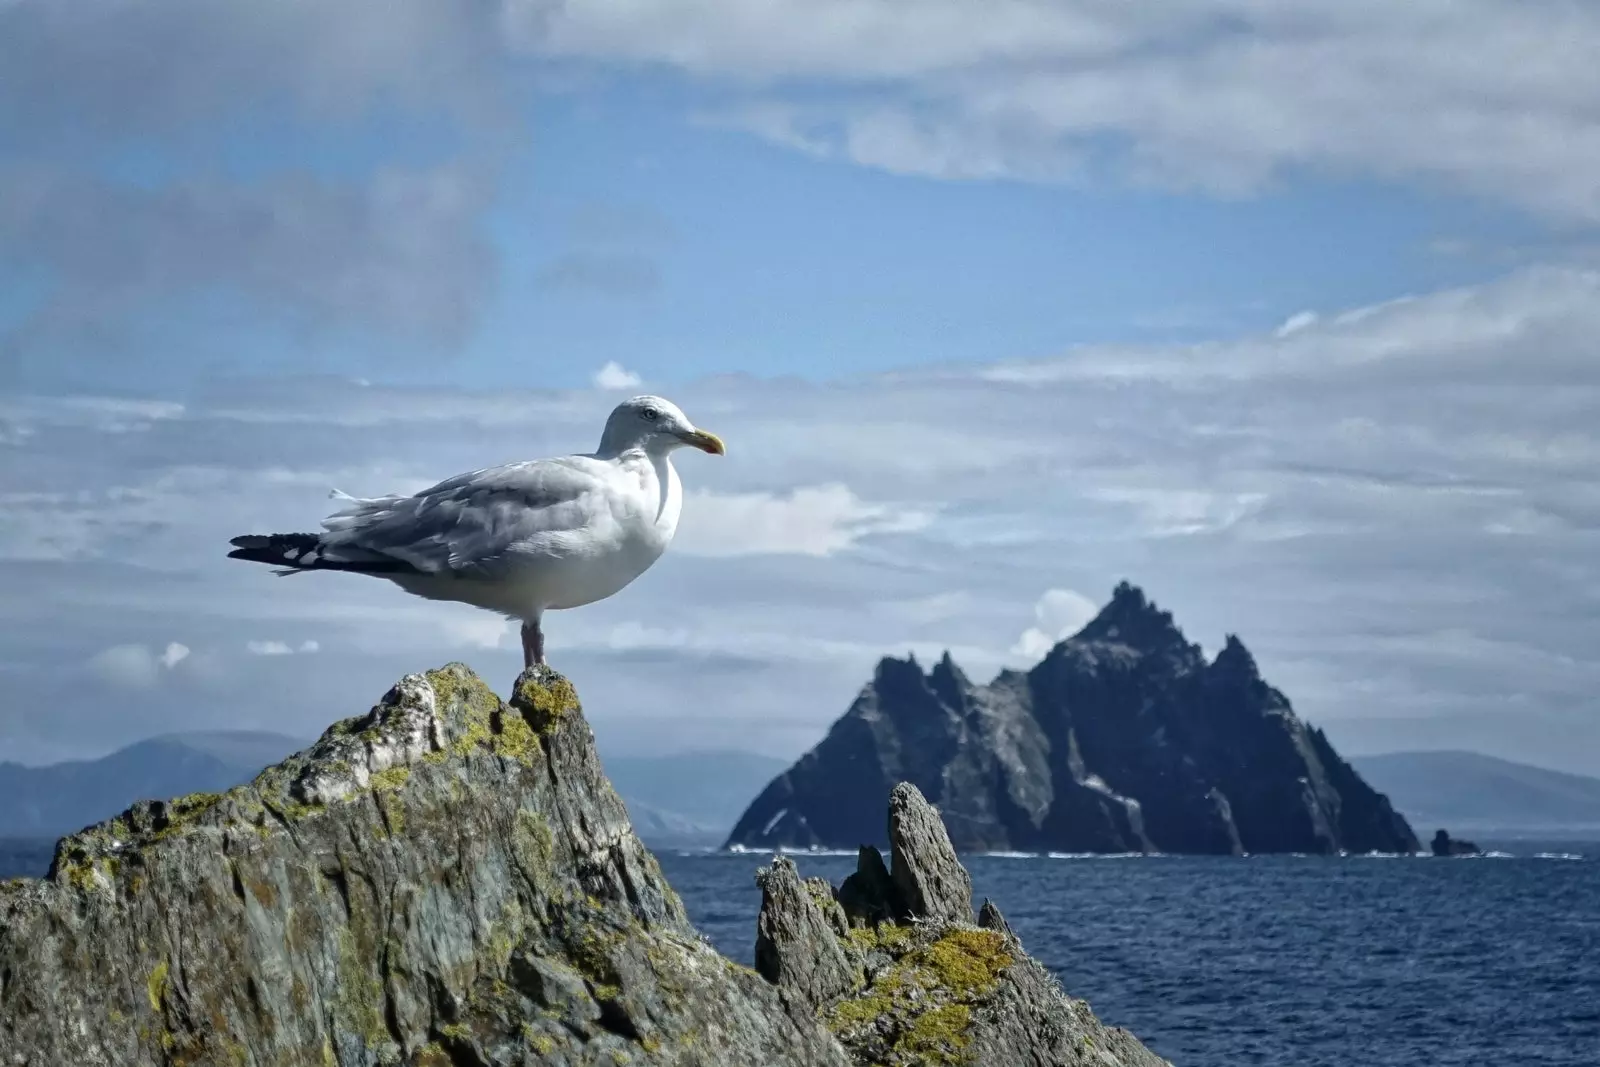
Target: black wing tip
[(299, 552), (279, 549)]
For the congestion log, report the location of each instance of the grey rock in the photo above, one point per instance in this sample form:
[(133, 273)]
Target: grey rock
[(1123, 739), (447, 880), (1445, 845), (930, 882), (989, 918), (932, 988), (868, 896), (797, 934)]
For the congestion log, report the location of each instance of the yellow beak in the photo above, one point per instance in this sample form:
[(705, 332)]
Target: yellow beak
[(705, 441)]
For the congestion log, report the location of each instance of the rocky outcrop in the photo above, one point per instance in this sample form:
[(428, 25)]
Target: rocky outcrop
[(447, 880), (1445, 845), (899, 972), (1123, 739), (450, 881)]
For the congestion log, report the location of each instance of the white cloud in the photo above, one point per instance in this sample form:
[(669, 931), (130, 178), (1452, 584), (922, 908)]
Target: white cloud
[(1493, 97), (1059, 614), (136, 665), (809, 521), (615, 376), (1360, 500), (282, 648), (1295, 323)]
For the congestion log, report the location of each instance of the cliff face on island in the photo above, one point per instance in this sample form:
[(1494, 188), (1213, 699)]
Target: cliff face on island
[(451, 880), (1123, 739)]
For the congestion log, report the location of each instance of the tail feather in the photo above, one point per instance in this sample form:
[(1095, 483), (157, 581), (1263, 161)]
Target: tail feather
[(297, 553)]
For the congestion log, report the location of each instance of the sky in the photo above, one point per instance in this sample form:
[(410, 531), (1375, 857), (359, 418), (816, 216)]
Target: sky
[(1285, 313)]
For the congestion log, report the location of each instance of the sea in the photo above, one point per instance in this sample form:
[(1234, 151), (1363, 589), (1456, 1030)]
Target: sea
[(1292, 961)]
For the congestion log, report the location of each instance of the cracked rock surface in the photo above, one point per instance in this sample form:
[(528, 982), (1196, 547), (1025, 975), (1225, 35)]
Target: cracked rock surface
[(450, 881), (928, 986)]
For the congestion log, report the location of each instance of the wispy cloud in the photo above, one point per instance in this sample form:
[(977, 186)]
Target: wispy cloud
[(1207, 94), (1395, 505)]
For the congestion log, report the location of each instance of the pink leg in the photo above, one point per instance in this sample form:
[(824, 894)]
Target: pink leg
[(532, 645)]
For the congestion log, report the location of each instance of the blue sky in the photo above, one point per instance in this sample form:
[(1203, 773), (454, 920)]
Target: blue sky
[(1285, 313)]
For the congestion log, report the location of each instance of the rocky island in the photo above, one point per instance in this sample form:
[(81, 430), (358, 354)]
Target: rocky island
[(450, 880), (1445, 845), (1123, 739)]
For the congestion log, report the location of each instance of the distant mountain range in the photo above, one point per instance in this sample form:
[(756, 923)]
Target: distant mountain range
[(1471, 792), (61, 798), (693, 800), (685, 800)]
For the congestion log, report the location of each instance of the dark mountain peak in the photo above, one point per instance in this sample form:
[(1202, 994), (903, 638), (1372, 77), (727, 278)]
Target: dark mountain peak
[(1125, 737), (894, 673), (949, 681), (1134, 620), (1235, 661)]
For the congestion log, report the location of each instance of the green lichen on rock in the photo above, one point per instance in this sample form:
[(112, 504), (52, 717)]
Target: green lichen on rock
[(358, 993), (904, 978), (967, 962), (920, 1006), (155, 986), (545, 699), (514, 738), (448, 879), (390, 778)]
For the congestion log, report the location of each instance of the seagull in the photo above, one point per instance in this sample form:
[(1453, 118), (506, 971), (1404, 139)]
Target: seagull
[(520, 539)]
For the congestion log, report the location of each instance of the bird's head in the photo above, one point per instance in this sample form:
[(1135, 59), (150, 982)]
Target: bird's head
[(655, 425)]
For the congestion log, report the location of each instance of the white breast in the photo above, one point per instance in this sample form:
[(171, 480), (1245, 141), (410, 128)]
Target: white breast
[(639, 532)]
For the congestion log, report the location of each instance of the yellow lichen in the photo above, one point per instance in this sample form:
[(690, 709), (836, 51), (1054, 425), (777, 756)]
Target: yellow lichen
[(543, 1044), (886, 936), (965, 961), (390, 778), (456, 1032), (394, 810), (358, 1000), (516, 738), (546, 702), (925, 995), (156, 986), (532, 840), (433, 1055), (938, 1036)]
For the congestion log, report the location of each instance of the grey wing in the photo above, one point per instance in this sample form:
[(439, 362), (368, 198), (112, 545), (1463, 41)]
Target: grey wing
[(466, 524)]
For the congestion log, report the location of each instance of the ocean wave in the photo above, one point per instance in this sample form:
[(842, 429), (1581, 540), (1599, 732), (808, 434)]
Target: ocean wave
[(789, 850), (1558, 855)]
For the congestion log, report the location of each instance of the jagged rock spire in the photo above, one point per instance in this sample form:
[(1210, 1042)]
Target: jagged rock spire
[(1235, 661), (949, 681), (1133, 619)]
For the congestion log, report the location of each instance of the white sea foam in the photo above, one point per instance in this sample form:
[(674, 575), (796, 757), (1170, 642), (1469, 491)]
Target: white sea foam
[(1558, 855)]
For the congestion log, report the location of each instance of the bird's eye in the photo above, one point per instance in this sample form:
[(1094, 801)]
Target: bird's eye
[(650, 414)]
